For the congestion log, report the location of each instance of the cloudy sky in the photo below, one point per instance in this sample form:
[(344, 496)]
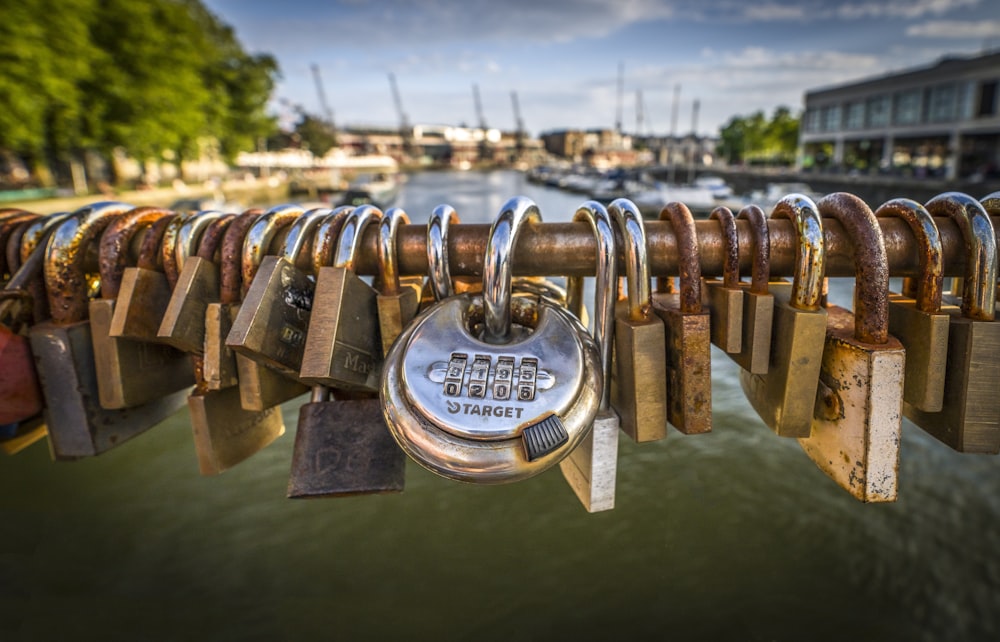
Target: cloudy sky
[(562, 56)]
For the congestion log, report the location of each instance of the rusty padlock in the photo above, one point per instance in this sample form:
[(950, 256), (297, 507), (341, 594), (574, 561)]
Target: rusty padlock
[(916, 318), (129, 372), (592, 467), (784, 398), (969, 420), (758, 303), (724, 297), (78, 426), (859, 403), (688, 337)]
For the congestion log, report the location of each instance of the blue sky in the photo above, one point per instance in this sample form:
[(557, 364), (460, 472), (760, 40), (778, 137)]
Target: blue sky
[(562, 57)]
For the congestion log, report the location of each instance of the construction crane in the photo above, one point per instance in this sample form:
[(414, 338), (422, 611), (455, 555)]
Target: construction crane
[(639, 115), (325, 106), (404, 123), (518, 120), (479, 107), (621, 90)]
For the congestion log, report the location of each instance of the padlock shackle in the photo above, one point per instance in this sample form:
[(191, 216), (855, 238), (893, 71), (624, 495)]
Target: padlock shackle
[(388, 229), (231, 272), (931, 280), (497, 264), (150, 256), (760, 245), (302, 231), (38, 231), (211, 240), (8, 227), (260, 236), (113, 255), (325, 239), (190, 233), (629, 222), (65, 281), (871, 276), (810, 250), (979, 290), (730, 246), (688, 260), (605, 280), (437, 250), (351, 233)]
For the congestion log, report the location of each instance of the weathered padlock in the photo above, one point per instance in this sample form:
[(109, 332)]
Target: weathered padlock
[(918, 320), (273, 320), (219, 364), (784, 398), (397, 303), (688, 350), (859, 404), (146, 291), (78, 426), (343, 348), (8, 226), (969, 420), (462, 360), (724, 297), (36, 233), (260, 386), (129, 372), (758, 303), (639, 373), (592, 467), (183, 324), (342, 445)]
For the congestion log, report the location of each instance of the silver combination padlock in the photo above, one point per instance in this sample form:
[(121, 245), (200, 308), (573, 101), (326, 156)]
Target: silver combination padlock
[(492, 388)]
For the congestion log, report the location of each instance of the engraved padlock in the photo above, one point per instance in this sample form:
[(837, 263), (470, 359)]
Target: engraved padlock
[(855, 434), (131, 372), (969, 419), (639, 372), (474, 397), (592, 467), (784, 398), (724, 297), (758, 302), (78, 426), (688, 349), (918, 320)]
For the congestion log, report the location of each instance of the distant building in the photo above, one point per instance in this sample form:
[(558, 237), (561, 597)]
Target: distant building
[(937, 121)]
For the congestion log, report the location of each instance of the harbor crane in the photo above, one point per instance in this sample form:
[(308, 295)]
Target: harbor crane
[(404, 123), (479, 107), (519, 121), (325, 106), (621, 90)]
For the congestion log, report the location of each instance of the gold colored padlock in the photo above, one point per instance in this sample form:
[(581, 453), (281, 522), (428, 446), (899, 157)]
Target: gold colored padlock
[(856, 427), (397, 303), (758, 302), (687, 325), (724, 297), (639, 378), (785, 396)]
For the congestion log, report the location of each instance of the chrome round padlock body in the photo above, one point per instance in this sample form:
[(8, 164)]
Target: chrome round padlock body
[(485, 412)]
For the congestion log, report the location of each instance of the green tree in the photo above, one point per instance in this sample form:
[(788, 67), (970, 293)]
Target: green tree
[(315, 134), (755, 138)]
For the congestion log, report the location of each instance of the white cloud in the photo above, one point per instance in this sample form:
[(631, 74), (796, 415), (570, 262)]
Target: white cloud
[(955, 29), (902, 8)]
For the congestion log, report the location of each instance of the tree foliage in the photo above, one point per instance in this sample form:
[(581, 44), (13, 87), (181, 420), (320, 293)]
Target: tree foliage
[(147, 77), (757, 139)]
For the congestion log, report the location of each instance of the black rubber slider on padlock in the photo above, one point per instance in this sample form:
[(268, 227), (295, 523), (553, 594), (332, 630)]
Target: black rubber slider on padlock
[(543, 437)]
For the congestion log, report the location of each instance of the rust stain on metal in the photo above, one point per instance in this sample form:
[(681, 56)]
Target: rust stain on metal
[(231, 278), (731, 246), (115, 242), (211, 240), (760, 248), (688, 260), (979, 291), (926, 287)]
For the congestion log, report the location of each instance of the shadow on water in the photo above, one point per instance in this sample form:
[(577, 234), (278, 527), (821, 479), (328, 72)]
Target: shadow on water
[(733, 535)]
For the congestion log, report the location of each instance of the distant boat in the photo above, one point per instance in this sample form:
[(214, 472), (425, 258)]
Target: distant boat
[(699, 199), (379, 190)]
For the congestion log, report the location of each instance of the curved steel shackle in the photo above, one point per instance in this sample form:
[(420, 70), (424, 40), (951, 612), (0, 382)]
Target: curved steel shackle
[(810, 250), (438, 270), (351, 233), (497, 265), (629, 220), (387, 231), (979, 291)]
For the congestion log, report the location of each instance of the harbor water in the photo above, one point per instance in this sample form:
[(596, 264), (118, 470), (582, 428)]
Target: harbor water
[(732, 535)]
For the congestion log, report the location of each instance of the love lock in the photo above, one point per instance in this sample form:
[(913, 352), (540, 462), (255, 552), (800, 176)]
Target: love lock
[(492, 388)]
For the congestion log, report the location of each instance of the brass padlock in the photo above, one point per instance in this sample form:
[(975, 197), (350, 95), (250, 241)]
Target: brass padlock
[(688, 350), (78, 426), (724, 297), (784, 398), (859, 404), (342, 444), (639, 375), (758, 303), (129, 372), (918, 320), (397, 303), (969, 420), (36, 233), (273, 320), (523, 362), (592, 467), (183, 324), (343, 348), (260, 386), (146, 291)]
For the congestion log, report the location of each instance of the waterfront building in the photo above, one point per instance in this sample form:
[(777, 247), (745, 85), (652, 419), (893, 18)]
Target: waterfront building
[(938, 121)]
